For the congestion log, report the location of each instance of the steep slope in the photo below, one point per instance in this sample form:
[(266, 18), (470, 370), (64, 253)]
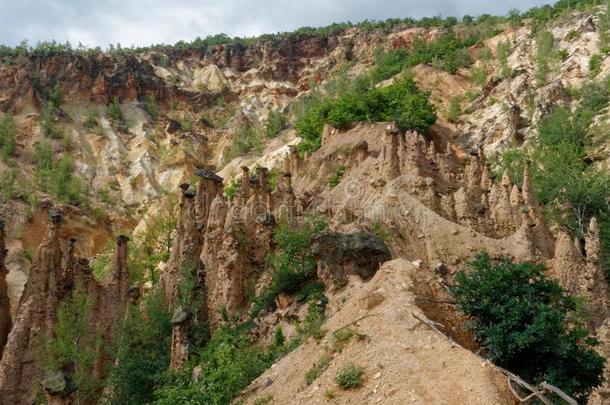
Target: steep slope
[(142, 127), (404, 360)]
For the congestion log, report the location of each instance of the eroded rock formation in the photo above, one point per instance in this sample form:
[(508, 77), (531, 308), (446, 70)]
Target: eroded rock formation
[(5, 303), (34, 321)]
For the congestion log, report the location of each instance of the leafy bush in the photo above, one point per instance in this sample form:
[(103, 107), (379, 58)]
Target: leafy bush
[(276, 122), (7, 137), (528, 324), (401, 102), (142, 351), (229, 363), (292, 263), (350, 376)]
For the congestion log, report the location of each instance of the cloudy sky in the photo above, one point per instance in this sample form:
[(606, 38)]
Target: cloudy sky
[(145, 22)]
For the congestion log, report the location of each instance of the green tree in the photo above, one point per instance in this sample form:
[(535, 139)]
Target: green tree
[(528, 324), (76, 343), (142, 351)]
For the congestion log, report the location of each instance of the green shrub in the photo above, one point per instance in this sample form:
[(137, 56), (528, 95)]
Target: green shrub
[(350, 376), (317, 369), (151, 107), (229, 363), (336, 177), (454, 110), (14, 185), (47, 121), (116, 114), (545, 56), (142, 351), (528, 324), (401, 102), (595, 65), (245, 140), (276, 122), (292, 264), (91, 121), (502, 51), (388, 64), (573, 34), (603, 29), (57, 176), (7, 137), (75, 344), (479, 75)]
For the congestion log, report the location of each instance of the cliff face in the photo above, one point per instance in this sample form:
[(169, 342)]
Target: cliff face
[(434, 195)]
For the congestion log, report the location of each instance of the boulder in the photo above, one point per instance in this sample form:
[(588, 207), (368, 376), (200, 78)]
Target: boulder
[(340, 255)]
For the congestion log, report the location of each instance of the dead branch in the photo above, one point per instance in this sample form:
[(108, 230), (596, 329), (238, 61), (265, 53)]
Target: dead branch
[(559, 392)]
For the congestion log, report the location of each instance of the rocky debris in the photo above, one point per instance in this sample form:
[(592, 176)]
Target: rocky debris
[(5, 303), (58, 386), (339, 255)]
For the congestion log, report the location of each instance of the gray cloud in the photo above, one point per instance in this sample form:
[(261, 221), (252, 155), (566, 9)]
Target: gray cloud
[(145, 22)]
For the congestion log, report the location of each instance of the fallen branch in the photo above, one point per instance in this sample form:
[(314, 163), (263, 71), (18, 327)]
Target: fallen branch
[(433, 326), (511, 377)]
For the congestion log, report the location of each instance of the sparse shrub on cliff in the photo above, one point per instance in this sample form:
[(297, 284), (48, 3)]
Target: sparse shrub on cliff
[(47, 121), (151, 107), (479, 75), (595, 64), (454, 110), (7, 137), (502, 54), (116, 114), (276, 122), (57, 176), (14, 185), (245, 140), (545, 56), (336, 177), (529, 325)]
